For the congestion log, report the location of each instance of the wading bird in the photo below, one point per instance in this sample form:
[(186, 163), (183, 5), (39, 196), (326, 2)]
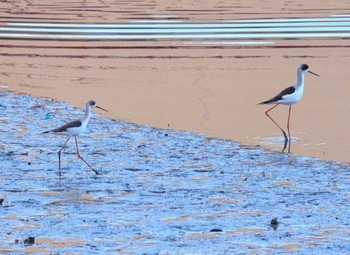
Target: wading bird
[(289, 96), (75, 128)]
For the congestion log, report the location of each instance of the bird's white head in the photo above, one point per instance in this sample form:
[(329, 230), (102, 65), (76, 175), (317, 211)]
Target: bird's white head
[(91, 104), (304, 68)]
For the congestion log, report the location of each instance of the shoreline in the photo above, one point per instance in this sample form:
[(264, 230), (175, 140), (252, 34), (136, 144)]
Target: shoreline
[(78, 111), (201, 97), (204, 86)]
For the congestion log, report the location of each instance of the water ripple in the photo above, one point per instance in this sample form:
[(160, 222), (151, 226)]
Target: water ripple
[(234, 29)]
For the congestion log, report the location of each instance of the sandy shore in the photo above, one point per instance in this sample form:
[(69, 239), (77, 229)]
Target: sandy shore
[(208, 90)]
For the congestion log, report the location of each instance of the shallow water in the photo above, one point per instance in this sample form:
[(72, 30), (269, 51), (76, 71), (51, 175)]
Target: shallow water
[(160, 191)]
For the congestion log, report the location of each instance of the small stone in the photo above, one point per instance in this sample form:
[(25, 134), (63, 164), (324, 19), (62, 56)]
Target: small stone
[(4, 202), (216, 230), (274, 223), (30, 240)]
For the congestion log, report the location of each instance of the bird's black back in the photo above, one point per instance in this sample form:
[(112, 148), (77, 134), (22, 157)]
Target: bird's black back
[(287, 91), (75, 123)]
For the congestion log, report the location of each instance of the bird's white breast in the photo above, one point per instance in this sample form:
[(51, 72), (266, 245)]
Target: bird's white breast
[(76, 130), (293, 98)]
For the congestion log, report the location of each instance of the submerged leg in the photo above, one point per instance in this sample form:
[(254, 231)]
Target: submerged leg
[(59, 156), (76, 143), (285, 146)]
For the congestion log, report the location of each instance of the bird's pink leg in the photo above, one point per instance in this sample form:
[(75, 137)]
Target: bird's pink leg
[(59, 155), (290, 139), (267, 114), (284, 133), (76, 143)]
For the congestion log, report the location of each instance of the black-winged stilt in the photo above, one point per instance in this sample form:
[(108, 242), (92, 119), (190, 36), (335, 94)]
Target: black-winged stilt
[(289, 96), (75, 128)]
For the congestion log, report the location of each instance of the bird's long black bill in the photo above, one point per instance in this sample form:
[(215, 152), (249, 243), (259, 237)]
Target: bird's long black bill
[(101, 108), (314, 73)]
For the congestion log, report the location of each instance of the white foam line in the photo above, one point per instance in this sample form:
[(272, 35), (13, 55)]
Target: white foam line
[(290, 20), (178, 25), (174, 36), (177, 31), (230, 43)]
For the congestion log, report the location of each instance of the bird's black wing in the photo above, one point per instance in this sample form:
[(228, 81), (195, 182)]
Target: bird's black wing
[(75, 123), (287, 91)]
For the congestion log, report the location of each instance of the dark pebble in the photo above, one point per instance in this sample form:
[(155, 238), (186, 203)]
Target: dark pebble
[(274, 223), (216, 230), (29, 240)]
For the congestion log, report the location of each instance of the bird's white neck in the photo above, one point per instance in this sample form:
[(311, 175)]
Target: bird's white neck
[(86, 117), (300, 80)]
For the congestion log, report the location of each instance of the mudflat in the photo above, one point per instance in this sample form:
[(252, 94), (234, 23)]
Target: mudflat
[(159, 191)]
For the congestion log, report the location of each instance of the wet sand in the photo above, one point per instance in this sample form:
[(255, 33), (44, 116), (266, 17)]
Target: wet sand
[(187, 85), (160, 191)]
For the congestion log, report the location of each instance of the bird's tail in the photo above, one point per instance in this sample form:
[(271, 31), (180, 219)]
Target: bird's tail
[(265, 102)]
